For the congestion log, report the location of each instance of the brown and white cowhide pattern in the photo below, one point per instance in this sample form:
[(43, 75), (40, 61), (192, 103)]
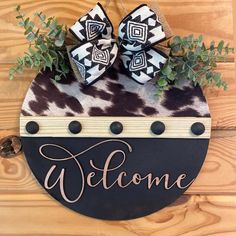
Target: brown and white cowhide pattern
[(113, 95)]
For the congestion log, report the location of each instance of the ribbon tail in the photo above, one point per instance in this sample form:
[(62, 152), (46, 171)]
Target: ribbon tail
[(91, 61)]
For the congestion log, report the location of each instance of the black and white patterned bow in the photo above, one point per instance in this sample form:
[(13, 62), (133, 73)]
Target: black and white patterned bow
[(139, 31)]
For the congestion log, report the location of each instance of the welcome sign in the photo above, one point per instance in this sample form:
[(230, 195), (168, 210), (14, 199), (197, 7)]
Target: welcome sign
[(91, 168), (114, 150)]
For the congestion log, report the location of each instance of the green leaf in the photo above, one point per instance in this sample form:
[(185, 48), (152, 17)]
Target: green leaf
[(190, 38), (26, 21), (190, 74), (50, 58), (191, 56), (42, 17), (217, 77), (162, 82), (220, 46), (166, 70), (204, 56), (59, 42), (38, 56), (21, 24), (29, 59), (12, 70), (172, 76), (54, 53), (30, 37), (65, 68), (18, 8), (28, 30), (57, 77), (175, 48), (51, 32), (59, 34), (200, 38), (31, 23), (37, 33), (177, 40), (198, 51), (31, 50), (53, 25), (212, 45), (48, 23), (42, 46)]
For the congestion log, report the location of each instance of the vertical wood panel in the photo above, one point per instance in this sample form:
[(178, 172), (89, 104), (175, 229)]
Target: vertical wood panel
[(24, 210)]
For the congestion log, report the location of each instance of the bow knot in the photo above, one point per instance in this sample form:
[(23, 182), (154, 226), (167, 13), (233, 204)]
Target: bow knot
[(138, 32)]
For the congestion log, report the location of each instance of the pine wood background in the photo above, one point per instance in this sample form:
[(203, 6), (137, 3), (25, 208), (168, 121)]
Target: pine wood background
[(209, 206)]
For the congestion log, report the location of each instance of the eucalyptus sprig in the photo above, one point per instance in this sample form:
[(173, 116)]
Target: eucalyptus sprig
[(191, 59), (46, 45)]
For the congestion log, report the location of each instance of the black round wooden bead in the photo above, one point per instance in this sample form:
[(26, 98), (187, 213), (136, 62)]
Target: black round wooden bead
[(158, 127), (75, 127), (32, 127), (116, 127), (198, 128)]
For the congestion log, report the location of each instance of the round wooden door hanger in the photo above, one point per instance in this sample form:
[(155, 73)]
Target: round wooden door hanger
[(114, 150)]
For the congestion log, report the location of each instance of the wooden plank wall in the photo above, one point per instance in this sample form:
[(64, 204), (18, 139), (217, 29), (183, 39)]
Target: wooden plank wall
[(209, 206)]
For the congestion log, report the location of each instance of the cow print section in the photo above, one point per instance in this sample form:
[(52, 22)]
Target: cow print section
[(113, 95)]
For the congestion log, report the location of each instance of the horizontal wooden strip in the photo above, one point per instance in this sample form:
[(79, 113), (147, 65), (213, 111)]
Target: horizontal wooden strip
[(217, 175), (222, 103), (37, 214), (211, 18), (133, 127)]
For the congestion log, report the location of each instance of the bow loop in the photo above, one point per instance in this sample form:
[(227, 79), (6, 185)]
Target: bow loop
[(92, 60), (144, 65), (98, 50), (95, 24), (140, 29)]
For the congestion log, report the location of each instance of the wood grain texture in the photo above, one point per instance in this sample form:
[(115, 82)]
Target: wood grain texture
[(216, 177), (26, 210), (213, 18), (38, 214), (133, 127), (222, 103)]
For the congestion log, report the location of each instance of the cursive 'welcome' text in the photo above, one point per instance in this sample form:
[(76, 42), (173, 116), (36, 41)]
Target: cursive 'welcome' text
[(122, 180)]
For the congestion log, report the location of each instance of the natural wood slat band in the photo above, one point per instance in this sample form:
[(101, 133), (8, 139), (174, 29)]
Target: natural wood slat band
[(133, 127), (198, 215)]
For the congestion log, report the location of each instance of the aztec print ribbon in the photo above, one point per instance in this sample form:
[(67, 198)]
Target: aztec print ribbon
[(139, 31)]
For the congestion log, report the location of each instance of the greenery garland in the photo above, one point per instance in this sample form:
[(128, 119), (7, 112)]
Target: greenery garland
[(189, 57), (46, 45)]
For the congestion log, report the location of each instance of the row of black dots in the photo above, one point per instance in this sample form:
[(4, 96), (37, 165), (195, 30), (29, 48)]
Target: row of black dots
[(116, 127)]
